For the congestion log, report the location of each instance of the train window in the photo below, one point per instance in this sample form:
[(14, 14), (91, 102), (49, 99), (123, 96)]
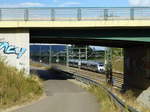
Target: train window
[(101, 64), (93, 65)]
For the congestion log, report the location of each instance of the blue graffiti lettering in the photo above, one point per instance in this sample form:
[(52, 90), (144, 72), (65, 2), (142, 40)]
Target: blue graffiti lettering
[(3, 45), (9, 49), (22, 51)]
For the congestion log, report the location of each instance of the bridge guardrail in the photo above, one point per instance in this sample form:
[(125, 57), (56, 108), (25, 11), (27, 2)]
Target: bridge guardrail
[(74, 14)]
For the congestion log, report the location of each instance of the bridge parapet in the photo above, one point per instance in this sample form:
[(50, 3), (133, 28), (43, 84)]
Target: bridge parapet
[(74, 14)]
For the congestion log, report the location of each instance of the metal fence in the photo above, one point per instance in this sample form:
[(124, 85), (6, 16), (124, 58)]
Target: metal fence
[(74, 14)]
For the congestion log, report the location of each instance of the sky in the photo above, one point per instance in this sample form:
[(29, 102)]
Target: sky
[(98, 48), (74, 3)]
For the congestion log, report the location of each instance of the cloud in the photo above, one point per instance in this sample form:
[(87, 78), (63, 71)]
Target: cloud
[(139, 3), (66, 4), (25, 4)]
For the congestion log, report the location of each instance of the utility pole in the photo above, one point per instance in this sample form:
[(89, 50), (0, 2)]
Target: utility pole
[(122, 52), (57, 59), (79, 58), (50, 55), (109, 65), (105, 58), (67, 58), (86, 52), (79, 54), (72, 53), (40, 55)]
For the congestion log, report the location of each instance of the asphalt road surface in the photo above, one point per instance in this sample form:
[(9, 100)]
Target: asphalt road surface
[(61, 96)]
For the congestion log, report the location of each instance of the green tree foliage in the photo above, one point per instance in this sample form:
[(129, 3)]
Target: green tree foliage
[(117, 52)]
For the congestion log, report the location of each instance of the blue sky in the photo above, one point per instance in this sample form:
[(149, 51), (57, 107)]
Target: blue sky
[(97, 48), (73, 3)]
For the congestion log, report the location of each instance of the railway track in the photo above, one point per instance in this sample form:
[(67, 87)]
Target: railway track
[(85, 77), (100, 78)]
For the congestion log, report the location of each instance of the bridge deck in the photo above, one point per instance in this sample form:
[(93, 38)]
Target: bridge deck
[(55, 24)]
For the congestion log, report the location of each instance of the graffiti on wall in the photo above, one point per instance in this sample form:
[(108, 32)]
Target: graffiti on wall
[(10, 49)]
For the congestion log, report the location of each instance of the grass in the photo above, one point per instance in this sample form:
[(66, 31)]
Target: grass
[(129, 97), (39, 65), (118, 64), (36, 64), (16, 87), (105, 102)]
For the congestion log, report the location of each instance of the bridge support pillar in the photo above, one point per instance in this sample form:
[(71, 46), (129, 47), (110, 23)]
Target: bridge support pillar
[(137, 67), (14, 47)]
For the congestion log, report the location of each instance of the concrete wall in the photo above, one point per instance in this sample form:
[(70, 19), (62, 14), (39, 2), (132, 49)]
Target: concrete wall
[(137, 67), (14, 46)]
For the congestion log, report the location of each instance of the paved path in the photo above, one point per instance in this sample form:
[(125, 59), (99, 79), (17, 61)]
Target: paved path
[(62, 96)]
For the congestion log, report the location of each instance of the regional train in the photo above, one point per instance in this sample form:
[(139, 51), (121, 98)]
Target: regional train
[(87, 65)]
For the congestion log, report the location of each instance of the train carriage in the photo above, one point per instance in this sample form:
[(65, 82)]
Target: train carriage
[(87, 65)]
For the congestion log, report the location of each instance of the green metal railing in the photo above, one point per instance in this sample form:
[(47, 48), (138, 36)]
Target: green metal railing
[(74, 14)]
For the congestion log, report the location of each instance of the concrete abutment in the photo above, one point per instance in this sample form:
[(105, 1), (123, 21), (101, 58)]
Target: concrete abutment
[(14, 47), (137, 67)]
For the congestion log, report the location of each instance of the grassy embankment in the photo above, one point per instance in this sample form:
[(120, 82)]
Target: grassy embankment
[(105, 103), (15, 88)]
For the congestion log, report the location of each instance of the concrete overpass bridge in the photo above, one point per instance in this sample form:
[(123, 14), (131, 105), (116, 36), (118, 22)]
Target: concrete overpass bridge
[(128, 28)]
